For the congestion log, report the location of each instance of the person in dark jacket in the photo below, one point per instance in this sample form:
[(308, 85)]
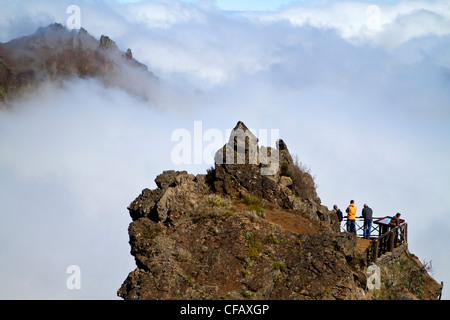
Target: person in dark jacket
[(367, 214), (395, 222), (339, 214)]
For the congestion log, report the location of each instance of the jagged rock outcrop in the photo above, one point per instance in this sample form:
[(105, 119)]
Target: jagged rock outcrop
[(218, 236), (56, 53), (243, 168), (236, 233)]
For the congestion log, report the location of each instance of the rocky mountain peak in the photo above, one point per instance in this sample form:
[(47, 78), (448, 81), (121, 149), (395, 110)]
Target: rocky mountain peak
[(54, 53), (205, 229), (242, 167), (235, 233), (107, 44)]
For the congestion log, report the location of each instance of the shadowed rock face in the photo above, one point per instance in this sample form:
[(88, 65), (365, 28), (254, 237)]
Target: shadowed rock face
[(56, 53), (256, 170), (206, 246), (194, 237), (237, 234)]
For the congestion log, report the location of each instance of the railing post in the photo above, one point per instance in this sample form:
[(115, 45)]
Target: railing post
[(391, 240), (375, 251), (406, 232), (387, 242)]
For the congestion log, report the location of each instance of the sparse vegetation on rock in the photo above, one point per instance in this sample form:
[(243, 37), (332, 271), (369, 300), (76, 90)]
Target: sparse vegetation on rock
[(205, 237)]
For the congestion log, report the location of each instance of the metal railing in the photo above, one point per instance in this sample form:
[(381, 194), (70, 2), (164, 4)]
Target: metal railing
[(387, 242), (359, 222), (384, 239)]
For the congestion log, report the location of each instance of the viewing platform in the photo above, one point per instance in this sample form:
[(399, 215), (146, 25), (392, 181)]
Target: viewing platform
[(384, 237)]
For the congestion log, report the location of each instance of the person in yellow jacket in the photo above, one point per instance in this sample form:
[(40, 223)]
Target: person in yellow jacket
[(351, 215)]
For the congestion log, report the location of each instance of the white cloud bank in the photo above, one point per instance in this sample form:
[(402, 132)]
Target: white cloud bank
[(367, 108), (381, 24)]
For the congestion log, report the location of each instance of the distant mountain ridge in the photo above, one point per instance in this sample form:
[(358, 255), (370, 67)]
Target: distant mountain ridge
[(56, 53)]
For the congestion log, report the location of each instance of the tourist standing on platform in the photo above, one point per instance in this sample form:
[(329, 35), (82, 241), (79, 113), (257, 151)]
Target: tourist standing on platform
[(339, 214), (351, 215), (367, 214), (395, 222)]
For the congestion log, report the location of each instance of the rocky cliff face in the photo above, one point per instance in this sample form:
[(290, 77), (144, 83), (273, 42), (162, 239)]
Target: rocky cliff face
[(56, 53), (235, 233)]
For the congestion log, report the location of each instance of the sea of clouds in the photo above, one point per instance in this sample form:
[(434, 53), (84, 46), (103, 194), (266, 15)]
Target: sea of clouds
[(358, 91)]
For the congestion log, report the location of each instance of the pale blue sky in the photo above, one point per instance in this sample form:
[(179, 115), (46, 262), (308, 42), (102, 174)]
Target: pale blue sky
[(264, 5), (239, 5), (269, 5), (255, 5)]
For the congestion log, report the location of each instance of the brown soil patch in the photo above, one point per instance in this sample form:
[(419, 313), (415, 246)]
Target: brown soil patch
[(362, 244), (286, 219), (291, 221)]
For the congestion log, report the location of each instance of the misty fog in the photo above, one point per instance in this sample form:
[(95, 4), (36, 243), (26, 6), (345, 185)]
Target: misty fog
[(367, 110)]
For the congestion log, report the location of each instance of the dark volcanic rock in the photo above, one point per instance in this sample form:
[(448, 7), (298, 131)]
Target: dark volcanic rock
[(193, 237), (209, 237), (239, 171), (234, 257)]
